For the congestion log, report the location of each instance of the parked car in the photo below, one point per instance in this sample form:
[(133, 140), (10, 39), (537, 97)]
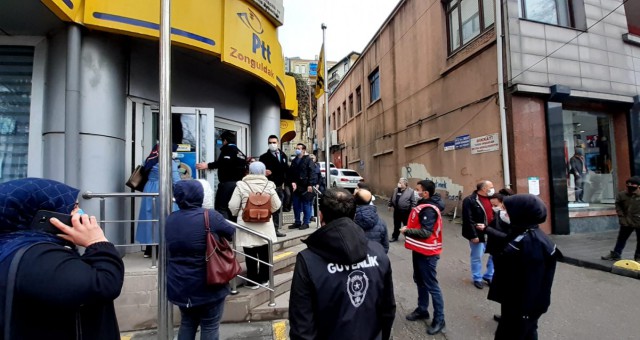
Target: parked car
[(322, 167), (345, 178)]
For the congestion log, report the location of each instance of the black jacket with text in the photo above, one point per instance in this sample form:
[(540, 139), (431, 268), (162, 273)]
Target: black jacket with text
[(342, 286)]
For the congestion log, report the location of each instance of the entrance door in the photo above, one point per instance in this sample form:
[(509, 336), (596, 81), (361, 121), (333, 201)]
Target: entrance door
[(241, 131)]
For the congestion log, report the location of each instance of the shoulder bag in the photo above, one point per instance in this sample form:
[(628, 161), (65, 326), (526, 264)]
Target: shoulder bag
[(221, 262), (138, 178)]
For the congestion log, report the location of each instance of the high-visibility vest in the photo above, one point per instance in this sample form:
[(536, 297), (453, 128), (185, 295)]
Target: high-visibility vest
[(430, 246)]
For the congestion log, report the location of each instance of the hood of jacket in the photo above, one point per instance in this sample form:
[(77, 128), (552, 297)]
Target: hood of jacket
[(366, 216), (188, 194), (525, 210), (340, 241), (434, 200)]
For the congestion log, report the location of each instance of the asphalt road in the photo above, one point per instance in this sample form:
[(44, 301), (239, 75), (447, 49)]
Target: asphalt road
[(586, 304)]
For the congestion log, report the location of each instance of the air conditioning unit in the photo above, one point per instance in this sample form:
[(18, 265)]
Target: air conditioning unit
[(321, 145), (334, 137)]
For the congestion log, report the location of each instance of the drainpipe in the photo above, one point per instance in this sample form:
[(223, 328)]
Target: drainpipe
[(503, 114), (72, 107)]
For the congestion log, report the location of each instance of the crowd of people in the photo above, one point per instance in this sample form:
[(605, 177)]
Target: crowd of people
[(342, 284)]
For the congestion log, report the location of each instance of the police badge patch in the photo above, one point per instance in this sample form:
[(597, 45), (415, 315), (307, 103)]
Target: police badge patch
[(357, 285)]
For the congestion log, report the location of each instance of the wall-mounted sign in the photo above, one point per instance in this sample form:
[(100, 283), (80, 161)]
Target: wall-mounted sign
[(313, 69), (485, 143), (534, 185), (449, 146), (462, 142)]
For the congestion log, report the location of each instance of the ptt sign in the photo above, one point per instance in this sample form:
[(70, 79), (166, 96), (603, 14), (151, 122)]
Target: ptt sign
[(265, 49), (252, 21)]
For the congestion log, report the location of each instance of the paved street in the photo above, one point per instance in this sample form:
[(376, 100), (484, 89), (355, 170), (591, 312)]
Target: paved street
[(586, 304)]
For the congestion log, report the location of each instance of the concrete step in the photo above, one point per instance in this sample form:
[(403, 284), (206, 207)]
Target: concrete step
[(265, 312), (237, 307), (281, 259)]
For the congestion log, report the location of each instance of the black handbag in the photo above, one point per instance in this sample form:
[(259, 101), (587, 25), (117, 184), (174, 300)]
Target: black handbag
[(138, 178)]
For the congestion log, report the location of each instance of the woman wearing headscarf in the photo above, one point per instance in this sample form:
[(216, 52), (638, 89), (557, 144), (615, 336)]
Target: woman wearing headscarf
[(256, 181), (57, 293), (530, 259), (145, 232), (200, 304)]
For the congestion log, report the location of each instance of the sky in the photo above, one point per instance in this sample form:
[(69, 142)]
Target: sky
[(350, 26)]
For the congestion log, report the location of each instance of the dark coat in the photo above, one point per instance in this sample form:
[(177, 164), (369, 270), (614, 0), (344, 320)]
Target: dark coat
[(374, 227), (278, 168), (231, 164), (186, 246), (329, 278), (57, 290), (302, 173), (529, 259), (628, 209), (472, 214)]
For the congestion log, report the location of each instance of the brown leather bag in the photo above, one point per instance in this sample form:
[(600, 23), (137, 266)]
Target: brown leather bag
[(221, 262), (258, 206)]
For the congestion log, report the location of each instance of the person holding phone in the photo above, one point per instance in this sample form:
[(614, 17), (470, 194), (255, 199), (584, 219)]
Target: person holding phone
[(57, 293)]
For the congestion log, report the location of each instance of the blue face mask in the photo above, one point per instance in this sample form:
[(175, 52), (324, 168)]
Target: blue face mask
[(298, 152)]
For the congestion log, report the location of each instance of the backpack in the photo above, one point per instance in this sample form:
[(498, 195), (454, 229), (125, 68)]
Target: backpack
[(258, 206)]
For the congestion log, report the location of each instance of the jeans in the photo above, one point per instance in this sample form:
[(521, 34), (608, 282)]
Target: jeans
[(477, 250), (276, 215), (623, 236), (207, 316), (424, 275), (400, 217), (257, 271), (300, 205)]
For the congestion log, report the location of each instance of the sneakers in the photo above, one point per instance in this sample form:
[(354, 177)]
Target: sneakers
[(612, 256), (478, 284), (437, 327), (393, 239), (416, 315)]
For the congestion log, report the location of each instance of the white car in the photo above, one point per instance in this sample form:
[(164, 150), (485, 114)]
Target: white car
[(345, 178), (322, 167)]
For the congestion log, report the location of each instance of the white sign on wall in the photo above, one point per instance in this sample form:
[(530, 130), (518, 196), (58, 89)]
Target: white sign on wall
[(485, 143), (534, 185), (272, 8)]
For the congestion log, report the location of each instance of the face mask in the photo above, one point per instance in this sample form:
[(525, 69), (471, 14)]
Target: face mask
[(504, 217), (273, 146), (298, 152), (491, 192), (418, 195), (496, 209), (631, 189)]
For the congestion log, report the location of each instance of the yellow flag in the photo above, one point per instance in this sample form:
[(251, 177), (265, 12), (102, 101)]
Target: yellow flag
[(320, 75)]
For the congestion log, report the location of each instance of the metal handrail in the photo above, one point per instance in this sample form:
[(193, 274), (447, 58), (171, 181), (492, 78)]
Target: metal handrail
[(102, 221), (271, 288)]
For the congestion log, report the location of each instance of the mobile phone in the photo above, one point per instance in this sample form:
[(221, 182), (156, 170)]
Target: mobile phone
[(42, 221)]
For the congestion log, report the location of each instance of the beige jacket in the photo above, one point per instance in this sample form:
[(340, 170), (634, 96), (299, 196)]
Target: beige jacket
[(255, 183)]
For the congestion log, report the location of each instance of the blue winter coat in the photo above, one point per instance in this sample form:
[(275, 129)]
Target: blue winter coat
[(186, 246), (374, 227)]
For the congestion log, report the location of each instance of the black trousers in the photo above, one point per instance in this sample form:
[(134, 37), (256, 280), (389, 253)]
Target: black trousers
[(400, 217), (223, 196), (512, 326), (276, 215), (579, 187), (258, 272)]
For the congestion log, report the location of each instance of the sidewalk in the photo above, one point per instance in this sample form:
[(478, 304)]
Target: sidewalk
[(267, 330), (585, 250)]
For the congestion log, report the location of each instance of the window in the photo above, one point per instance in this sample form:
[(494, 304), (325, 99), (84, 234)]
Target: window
[(632, 10), (346, 68), (350, 105), (344, 110), (333, 119), (467, 19), (16, 71), (303, 69), (555, 12), (374, 85), (297, 69), (339, 121), (358, 99)]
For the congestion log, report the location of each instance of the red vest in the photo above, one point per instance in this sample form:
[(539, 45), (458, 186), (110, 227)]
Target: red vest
[(430, 246)]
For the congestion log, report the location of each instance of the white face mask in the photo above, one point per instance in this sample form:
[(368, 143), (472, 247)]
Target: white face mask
[(273, 147), (491, 192), (496, 209), (418, 195), (504, 217)]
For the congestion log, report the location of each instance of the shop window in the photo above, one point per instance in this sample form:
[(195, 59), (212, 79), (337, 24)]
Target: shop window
[(568, 13), (589, 159), (374, 85), (466, 19), (358, 99), (16, 70)]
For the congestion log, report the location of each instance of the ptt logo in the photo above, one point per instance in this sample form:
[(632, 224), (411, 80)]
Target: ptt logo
[(251, 20)]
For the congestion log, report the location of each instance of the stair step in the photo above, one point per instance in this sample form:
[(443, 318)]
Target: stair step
[(237, 306), (264, 312)]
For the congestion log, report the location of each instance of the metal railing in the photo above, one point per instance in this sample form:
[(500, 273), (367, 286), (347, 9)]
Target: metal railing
[(103, 209)]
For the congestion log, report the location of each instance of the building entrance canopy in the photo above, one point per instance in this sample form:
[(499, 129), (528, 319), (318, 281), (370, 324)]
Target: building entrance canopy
[(234, 30)]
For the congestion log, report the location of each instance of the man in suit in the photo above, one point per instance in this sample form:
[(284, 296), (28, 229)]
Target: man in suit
[(277, 167)]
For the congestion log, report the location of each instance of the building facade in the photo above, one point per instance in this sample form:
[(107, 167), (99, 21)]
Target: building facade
[(79, 89), (425, 103), (341, 68)]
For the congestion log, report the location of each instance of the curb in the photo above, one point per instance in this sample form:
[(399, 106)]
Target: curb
[(598, 266)]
